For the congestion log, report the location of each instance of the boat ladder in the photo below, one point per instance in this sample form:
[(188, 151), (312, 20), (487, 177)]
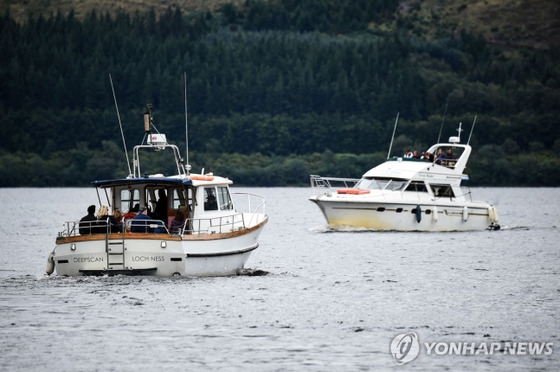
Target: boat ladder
[(115, 253)]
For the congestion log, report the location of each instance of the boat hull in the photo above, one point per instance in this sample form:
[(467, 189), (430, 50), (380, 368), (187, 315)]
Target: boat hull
[(155, 254), (402, 216)]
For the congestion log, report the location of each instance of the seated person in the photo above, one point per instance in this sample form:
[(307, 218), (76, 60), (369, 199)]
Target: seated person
[(132, 212), (141, 223), (178, 223), (427, 156), (440, 159), (449, 154), (87, 221), (118, 220), (450, 158), (104, 219)]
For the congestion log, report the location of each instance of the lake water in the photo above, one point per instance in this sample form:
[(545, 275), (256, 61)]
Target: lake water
[(311, 299)]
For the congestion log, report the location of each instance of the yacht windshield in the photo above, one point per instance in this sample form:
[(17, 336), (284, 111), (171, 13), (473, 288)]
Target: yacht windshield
[(366, 183), (381, 184)]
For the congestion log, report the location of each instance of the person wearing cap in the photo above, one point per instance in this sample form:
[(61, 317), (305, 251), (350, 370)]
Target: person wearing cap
[(140, 222)]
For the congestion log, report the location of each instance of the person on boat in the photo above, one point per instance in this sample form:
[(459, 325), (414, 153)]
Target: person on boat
[(141, 223), (429, 157), (408, 154), (86, 221), (416, 155), (440, 159), (449, 154), (131, 212), (178, 223), (104, 219), (116, 222), (450, 158), (211, 203), (161, 206)]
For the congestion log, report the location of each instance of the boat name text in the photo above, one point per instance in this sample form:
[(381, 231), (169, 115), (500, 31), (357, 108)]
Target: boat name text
[(88, 259), (148, 258)]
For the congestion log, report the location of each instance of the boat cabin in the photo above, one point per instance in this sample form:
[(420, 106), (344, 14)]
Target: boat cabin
[(202, 201)]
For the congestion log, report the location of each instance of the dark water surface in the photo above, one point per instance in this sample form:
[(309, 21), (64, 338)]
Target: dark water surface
[(311, 299)]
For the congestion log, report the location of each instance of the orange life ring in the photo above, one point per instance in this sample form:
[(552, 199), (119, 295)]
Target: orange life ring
[(201, 178), (353, 191)]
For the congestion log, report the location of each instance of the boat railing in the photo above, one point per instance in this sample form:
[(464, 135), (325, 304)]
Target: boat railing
[(325, 184), (214, 225), (254, 205), (251, 211), (75, 228)]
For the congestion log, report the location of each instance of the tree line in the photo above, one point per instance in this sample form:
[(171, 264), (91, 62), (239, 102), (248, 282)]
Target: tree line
[(276, 91)]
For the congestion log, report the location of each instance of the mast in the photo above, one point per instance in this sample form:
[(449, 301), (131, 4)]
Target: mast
[(393, 136), (474, 122), (120, 125), (442, 120), (186, 126)]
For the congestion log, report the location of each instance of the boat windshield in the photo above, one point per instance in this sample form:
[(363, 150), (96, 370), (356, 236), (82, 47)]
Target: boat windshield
[(381, 184)]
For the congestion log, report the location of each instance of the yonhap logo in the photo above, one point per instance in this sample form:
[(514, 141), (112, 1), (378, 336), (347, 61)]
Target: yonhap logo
[(405, 348)]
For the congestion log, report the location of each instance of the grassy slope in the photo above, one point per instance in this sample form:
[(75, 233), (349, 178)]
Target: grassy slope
[(20, 10), (527, 23)]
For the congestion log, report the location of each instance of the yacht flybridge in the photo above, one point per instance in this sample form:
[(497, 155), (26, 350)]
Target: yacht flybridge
[(211, 237), (407, 194)]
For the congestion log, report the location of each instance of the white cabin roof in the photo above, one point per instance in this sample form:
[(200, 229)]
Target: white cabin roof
[(406, 169)]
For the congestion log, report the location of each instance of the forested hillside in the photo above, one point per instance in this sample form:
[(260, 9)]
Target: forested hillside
[(277, 90)]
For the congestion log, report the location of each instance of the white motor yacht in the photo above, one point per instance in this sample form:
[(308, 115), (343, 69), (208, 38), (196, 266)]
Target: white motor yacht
[(407, 194)]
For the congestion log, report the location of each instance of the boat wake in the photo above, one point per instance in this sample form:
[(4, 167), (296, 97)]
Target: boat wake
[(253, 272)]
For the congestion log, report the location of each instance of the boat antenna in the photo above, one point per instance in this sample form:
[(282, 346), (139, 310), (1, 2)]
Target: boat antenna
[(393, 137), (442, 120), (120, 125), (186, 125), (474, 122)]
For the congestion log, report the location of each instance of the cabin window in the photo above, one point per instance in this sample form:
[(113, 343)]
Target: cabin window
[(210, 201), (224, 199), (129, 199), (416, 186), (442, 191), (177, 199)]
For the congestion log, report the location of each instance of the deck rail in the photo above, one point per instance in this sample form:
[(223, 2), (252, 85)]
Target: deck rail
[(250, 211), (325, 184)]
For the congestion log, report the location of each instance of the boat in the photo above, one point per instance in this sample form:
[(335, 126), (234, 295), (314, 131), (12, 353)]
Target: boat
[(407, 194), (215, 238)]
